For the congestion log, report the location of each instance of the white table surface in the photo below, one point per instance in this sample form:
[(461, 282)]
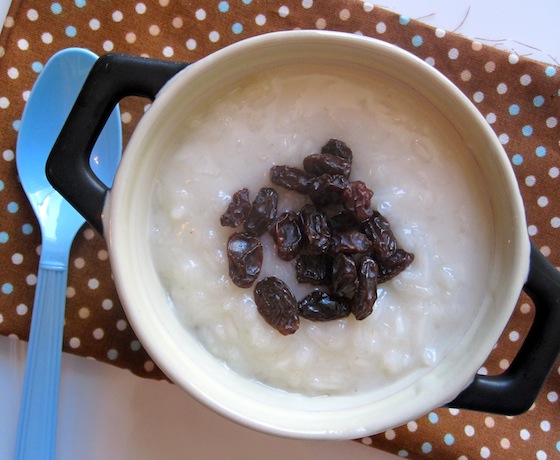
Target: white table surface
[(107, 412)]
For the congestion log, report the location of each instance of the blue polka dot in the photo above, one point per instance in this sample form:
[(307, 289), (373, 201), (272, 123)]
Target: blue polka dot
[(403, 453), (417, 40), (404, 20), (7, 288), (27, 229), (223, 7), (56, 8), (1, 185), (16, 124), (517, 159), (247, 2), (37, 67), (538, 101), (514, 109), (237, 28), (4, 237), (527, 130), (558, 446), (80, 3), (448, 439), (540, 151), (550, 71), (426, 447), (71, 31), (433, 417), (13, 207)]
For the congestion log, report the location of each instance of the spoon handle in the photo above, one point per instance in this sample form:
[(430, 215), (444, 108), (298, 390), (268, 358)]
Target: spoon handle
[(36, 437)]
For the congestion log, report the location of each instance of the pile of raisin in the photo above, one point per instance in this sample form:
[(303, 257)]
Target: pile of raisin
[(338, 241)]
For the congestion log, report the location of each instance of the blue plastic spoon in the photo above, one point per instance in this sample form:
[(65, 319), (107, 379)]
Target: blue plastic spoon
[(47, 108)]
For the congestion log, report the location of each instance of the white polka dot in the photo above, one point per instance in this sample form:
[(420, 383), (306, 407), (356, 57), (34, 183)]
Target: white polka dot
[(117, 16), (514, 336), (13, 73), (321, 23), (307, 4), (46, 38), (191, 44), (94, 24), (149, 366), (130, 37), (466, 75), (260, 20), (524, 434), (1, 318), (368, 7), (140, 8), (476, 46), (530, 181), (32, 14), (70, 292), (489, 422), (513, 58), (168, 51), (545, 425), (440, 33), (79, 262), (485, 452), (469, 430), (200, 14), (154, 30), (525, 80), (283, 11), (430, 61), (25, 95), (490, 66), (93, 283), (74, 342), (31, 280), (478, 96), (367, 441), (553, 172), (164, 2), (542, 201), (453, 53), (412, 426), (17, 258), (22, 309), (545, 250), (525, 308), (381, 28), (504, 443), (344, 14), (390, 435), (552, 396), (121, 324), (551, 122), (555, 222), (9, 22), (454, 411), (502, 88), (214, 36), (491, 118), (98, 333), (4, 102), (107, 304), (532, 230), (89, 234), (23, 44), (108, 45), (503, 138), (504, 364), (177, 22), (483, 371), (541, 455), (102, 254)]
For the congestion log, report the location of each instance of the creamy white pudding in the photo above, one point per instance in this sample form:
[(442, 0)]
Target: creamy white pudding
[(426, 183)]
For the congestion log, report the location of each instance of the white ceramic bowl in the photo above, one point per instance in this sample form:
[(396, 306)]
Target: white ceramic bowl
[(180, 355)]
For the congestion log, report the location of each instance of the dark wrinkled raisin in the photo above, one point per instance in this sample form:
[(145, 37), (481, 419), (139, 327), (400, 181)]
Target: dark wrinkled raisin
[(238, 209), (366, 293), (245, 255), (391, 267), (287, 235), (277, 305), (326, 189), (315, 230), (378, 230), (344, 276), (326, 163), (263, 212), (343, 221), (357, 200), (350, 242), (338, 148), (320, 306), (291, 178), (314, 269)]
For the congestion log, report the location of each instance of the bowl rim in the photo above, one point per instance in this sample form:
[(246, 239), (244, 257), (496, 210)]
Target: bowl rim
[(154, 330)]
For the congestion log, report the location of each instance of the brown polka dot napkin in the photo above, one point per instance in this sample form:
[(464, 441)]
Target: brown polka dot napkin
[(519, 98)]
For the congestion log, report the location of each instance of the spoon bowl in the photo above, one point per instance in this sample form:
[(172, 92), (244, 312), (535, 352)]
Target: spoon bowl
[(49, 104)]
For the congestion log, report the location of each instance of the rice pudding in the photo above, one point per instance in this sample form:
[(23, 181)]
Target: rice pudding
[(425, 181)]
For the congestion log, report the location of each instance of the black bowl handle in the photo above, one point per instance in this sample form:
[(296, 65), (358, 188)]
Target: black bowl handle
[(516, 389), (113, 77)]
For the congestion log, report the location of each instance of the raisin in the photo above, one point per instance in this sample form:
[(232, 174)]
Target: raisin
[(245, 255), (327, 189), (314, 269), (238, 209), (357, 200), (350, 242), (338, 148), (395, 264), (343, 221), (326, 163), (287, 235), (320, 306), (315, 229), (344, 276), (262, 212), (291, 178), (277, 305), (378, 230), (366, 292)]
